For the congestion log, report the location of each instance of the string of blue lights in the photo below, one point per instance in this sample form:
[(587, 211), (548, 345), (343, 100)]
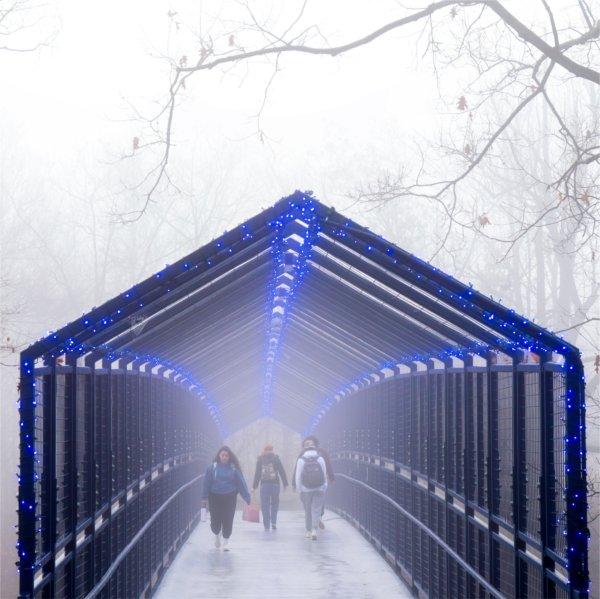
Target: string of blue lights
[(295, 232), (295, 225)]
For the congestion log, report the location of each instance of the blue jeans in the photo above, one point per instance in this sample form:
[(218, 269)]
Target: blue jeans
[(269, 503)]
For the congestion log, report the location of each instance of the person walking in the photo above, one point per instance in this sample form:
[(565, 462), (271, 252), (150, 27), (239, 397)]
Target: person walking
[(311, 482), (311, 442), (269, 471), (223, 480)]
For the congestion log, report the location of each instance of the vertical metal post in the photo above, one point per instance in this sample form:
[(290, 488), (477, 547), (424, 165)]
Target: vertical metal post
[(546, 432), (49, 474), (137, 390), (576, 492), (106, 364), (493, 566), (71, 399), (518, 402), (469, 468), (26, 497), (448, 364), (90, 363)]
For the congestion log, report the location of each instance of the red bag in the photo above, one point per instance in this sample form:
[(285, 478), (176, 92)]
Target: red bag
[(251, 513)]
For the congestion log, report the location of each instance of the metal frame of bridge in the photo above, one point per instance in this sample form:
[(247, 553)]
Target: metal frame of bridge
[(457, 426)]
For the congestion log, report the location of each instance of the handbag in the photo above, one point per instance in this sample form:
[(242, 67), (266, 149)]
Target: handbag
[(251, 513)]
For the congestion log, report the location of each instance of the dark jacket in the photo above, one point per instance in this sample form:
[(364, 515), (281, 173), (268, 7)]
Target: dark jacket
[(328, 467), (265, 458), (221, 479)]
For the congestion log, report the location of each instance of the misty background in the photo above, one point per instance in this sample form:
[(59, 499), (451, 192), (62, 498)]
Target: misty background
[(79, 149)]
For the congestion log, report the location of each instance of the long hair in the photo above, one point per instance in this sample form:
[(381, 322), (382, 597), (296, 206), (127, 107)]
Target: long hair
[(232, 457), (267, 449)]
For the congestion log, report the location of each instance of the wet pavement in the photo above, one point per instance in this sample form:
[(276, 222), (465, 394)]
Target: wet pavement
[(281, 564)]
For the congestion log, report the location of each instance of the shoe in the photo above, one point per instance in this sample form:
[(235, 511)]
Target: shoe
[(321, 525), (274, 526), (218, 540), (308, 534), (225, 544), (267, 529), (313, 536)]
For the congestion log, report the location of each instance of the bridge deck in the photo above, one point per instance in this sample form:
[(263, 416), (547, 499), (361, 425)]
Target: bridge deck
[(281, 564)]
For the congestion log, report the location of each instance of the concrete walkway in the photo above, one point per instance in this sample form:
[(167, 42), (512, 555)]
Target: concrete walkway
[(281, 564)]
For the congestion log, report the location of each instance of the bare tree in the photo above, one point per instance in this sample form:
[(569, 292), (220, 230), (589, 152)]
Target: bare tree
[(25, 26), (511, 62)]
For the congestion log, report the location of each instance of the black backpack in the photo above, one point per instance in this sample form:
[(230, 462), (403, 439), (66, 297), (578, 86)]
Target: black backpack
[(313, 476), (268, 471)]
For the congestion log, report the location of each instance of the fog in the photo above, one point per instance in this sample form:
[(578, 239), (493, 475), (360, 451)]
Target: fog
[(351, 128)]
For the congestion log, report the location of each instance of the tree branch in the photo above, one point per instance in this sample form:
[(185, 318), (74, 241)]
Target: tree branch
[(579, 324)]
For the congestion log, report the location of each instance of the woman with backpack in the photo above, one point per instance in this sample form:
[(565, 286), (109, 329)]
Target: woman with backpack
[(223, 480), (312, 442), (311, 481), (269, 470)]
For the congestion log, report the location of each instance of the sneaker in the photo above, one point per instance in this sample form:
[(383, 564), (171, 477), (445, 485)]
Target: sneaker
[(267, 529), (225, 544), (308, 534), (218, 540), (313, 536), (321, 525), (274, 526)]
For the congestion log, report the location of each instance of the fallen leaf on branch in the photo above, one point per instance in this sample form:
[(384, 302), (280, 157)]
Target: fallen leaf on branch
[(136, 143), (484, 220), (468, 151), (183, 61), (462, 103), (231, 40)]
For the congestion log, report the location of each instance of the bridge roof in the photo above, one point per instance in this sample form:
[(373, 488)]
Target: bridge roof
[(278, 315)]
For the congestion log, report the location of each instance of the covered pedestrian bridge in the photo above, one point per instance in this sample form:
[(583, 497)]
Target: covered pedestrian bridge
[(456, 426)]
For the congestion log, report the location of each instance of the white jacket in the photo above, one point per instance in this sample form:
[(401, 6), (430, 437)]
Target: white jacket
[(300, 466)]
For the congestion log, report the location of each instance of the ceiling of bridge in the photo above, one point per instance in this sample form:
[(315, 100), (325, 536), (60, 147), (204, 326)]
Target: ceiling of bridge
[(276, 316)]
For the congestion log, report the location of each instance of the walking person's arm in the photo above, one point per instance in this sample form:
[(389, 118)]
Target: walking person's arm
[(328, 465), (323, 464), (242, 487), (281, 471), (256, 475), (295, 470), (298, 476), (206, 483)]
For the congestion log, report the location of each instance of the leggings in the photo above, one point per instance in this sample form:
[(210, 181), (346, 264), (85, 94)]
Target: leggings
[(222, 510)]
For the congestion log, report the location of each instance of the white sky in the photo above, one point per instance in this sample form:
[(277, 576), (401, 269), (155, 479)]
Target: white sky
[(67, 96)]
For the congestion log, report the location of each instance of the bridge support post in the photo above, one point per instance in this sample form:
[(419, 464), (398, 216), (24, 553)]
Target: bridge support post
[(27, 477)]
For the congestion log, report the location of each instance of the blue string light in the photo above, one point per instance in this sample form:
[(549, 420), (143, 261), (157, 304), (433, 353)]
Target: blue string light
[(290, 250), (513, 333)]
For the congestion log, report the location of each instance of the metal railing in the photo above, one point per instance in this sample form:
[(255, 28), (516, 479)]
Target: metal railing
[(488, 587), (121, 557)]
